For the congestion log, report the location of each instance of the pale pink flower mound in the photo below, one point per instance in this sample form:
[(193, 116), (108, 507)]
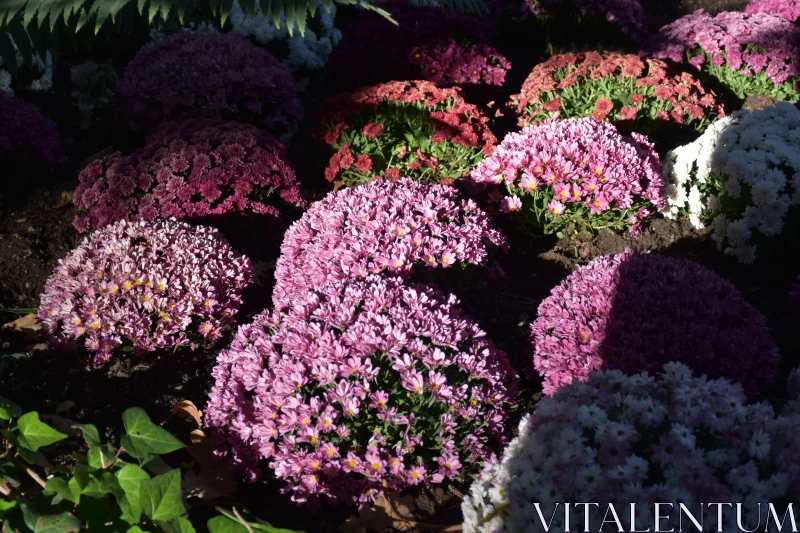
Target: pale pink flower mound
[(787, 9), (634, 312), (381, 226), (144, 286), (189, 170), (365, 386)]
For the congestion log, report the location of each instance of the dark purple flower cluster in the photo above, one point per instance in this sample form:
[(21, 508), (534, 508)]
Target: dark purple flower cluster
[(364, 386), (144, 286), (189, 170), (428, 43), (629, 15), (26, 133), (207, 75), (634, 312), (381, 226)]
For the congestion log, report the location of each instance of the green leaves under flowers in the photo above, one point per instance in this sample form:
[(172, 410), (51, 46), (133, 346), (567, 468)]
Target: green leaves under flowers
[(128, 493), (9, 409), (48, 523), (228, 523), (161, 498), (34, 433), (143, 437)]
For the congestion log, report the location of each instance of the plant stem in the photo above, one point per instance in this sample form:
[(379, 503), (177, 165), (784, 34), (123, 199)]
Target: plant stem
[(242, 520), (32, 473)]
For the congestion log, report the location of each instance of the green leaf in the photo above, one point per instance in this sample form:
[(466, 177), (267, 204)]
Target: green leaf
[(57, 523), (224, 10), (69, 490), (182, 525), (136, 529), (22, 41), (90, 433), (7, 53), (161, 497), (7, 507), (130, 478), (34, 458), (91, 482), (143, 437), (35, 434), (230, 524), (101, 456), (9, 409)]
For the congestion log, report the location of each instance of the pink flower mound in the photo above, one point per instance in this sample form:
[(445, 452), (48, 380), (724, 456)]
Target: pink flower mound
[(146, 286), (189, 170), (554, 171), (635, 312), (25, 132), (380, 226), (788, 9), (365, 386), (748, 44), (207, 75), (629, 15)]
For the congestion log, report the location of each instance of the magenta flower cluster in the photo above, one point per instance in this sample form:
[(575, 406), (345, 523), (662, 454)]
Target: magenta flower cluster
[(634, 312), (381, 226), (207, 75), (26, 133), (142, 287), (574, 171), (788, 9), (754, 48), (453, 63), (364, 386), (629, 15), (189, 170)]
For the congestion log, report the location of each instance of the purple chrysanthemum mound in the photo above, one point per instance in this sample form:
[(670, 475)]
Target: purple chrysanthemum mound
[(366, 386), (207, 75), (189, 170), (26, 133), (634, 312), (754, 46), (144, 286), (629, 15), (788, 9), (577, 171), (380, 226)]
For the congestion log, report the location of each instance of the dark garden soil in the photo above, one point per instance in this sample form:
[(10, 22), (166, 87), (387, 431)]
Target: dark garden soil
[(36, 231)]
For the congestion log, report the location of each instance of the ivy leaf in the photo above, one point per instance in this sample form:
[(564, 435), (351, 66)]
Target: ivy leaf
[(182, 525), (161, 497), (57, 523), (143, 437), (222, 524), (35, 434), (9, 409), (70, 491), (90, 482), (7, 507), (130, 479), (90, 433), (101, 456)]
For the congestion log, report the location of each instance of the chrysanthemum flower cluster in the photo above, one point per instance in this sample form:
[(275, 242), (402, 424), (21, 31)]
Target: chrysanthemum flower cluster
[(298, 52), (747, 53), (788, 9), (579, 172), (742, 175), (629, 15), (380, 227), (617, 87), (189, 170), (428, 43), (635, 312), (207, 75), (363, 387), (144, 286), (619, 439), (403, 128), (27, 134)]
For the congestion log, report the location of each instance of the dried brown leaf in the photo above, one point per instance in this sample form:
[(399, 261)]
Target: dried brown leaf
[(386, 512), (28, 325), (197, 436), (187, 409)]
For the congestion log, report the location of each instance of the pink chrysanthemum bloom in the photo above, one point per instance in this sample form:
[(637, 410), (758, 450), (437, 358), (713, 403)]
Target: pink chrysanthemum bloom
[(380, 227), (618, 439), (189, 170), (623, 88), (363, 387), (748, 53), (574, 171), (629, 15), (27, 135), (788, 9), (144, 286), (634, 312), (207, 75)]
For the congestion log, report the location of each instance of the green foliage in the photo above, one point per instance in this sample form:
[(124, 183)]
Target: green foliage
[(105, 490)]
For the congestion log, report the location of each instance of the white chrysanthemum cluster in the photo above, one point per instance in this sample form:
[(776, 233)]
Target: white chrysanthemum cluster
[(308, 52), (618, 439), (742, 174), (41, 71)]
